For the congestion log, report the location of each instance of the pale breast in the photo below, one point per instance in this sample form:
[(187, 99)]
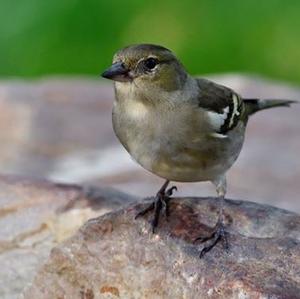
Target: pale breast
[(173, 144)]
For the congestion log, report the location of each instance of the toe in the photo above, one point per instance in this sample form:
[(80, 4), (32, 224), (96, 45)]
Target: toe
[(219, 234), (145, 211), (170, 191)]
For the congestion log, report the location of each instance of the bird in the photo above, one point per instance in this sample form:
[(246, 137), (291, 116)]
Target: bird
[(179, 127)]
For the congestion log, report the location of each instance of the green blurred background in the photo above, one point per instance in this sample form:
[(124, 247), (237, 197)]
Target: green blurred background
[(44, 37)]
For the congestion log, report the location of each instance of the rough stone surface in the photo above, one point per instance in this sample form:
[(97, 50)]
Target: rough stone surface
[(115, 256), (37, 215), (60, 129)]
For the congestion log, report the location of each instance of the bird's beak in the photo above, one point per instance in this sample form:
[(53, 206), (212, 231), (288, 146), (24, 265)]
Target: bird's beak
[(117, 72)]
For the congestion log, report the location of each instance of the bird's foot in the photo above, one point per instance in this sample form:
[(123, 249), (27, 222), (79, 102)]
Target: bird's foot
[(161, 200), (218, 234)]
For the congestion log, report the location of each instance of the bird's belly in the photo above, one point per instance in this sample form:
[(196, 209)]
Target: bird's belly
[(188, 165), (174, 154), (181, 162)]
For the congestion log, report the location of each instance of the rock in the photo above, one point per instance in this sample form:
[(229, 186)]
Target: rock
[(60, 129), (36, 215), (115, 256)]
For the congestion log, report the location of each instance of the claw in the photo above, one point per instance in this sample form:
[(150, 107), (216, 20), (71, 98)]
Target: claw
[(145, 211), (161, 201), (216, 236), (170, 191), (204, 239), (157, 207), (207, 248)]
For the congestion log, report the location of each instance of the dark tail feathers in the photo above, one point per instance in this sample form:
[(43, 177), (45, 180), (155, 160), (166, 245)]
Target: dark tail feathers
[(254, 105)]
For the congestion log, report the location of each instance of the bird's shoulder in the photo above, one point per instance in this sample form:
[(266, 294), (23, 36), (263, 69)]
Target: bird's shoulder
[(223, 105)]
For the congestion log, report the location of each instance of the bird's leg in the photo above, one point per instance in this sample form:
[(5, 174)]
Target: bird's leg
[(218, 233), (161, 200)]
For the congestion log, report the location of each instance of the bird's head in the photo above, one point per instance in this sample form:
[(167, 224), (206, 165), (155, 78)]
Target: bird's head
[(147, 67)]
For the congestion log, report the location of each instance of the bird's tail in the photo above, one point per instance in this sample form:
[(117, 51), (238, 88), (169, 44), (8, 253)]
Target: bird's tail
[(254, 105)]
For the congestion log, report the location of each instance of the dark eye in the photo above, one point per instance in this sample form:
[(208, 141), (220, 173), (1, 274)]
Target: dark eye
[(151, 63)]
